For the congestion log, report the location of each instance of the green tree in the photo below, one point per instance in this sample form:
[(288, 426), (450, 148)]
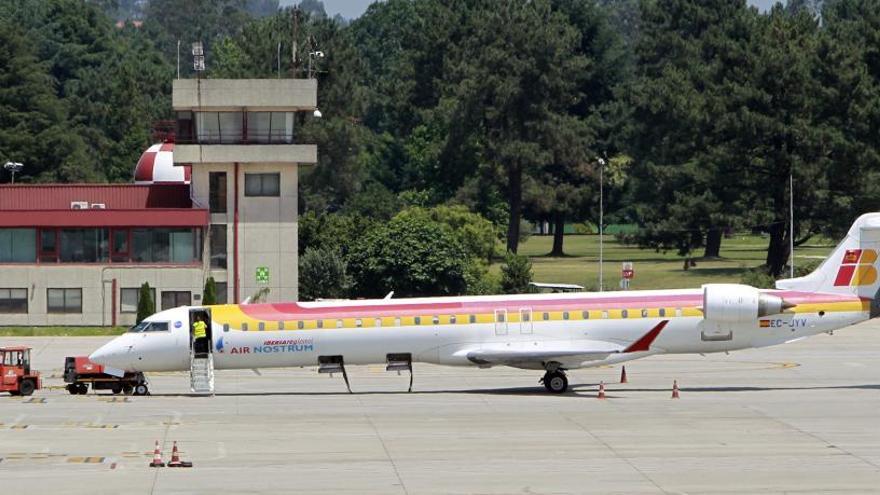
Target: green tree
[(410, 256), (146, 306), (516, 274), (323, 274), (476, 234), (209, 294)]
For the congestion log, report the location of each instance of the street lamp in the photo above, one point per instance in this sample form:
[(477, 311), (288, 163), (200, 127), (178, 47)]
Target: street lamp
[(13, 168), (601, 162), (312, 56)]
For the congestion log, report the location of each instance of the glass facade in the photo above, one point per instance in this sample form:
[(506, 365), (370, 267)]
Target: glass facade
[(18, 245), (217, 192), (235, 127), (100, 245)]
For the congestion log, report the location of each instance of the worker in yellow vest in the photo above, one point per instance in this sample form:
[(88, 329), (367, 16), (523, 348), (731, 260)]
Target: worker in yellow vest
[(200, 336)]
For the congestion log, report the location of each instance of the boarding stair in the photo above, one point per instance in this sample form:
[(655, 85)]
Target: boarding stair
[(201, 373)]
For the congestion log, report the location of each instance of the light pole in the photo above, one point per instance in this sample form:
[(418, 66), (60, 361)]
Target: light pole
[(313, 56), (791, 223), (13, 168), (601, 222)]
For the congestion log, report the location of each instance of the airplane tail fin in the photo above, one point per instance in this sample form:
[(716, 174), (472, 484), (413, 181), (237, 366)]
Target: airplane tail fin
[(852, 266)]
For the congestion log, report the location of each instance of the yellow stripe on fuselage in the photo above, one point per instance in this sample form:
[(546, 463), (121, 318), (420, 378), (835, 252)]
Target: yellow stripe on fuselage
[(232, 315)]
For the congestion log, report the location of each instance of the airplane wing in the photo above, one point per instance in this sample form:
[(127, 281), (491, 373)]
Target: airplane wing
[(562, 352)]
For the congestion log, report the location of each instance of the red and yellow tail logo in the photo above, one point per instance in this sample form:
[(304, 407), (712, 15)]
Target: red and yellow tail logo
[(857, 268)]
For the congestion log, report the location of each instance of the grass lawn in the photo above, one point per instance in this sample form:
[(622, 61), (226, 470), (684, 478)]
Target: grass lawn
[(653, 270), (59, 331)]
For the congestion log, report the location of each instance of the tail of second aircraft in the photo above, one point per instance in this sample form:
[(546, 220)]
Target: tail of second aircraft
[(852, 266)]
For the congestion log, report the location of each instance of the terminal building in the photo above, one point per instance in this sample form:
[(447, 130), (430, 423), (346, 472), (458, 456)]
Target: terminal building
[(217, 199)]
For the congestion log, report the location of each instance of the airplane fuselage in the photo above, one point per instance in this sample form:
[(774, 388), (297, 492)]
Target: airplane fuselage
[(448, 331)]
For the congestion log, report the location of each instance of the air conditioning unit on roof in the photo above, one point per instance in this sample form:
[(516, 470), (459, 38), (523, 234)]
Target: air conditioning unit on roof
[(99, 206), (79, 205)]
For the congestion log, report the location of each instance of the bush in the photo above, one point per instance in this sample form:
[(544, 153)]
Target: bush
[(146, 306), (209, 295), (516, 273), (323, 274), (474, 232), (758, 277)]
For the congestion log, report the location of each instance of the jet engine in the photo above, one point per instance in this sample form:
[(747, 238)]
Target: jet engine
[(736, 303)]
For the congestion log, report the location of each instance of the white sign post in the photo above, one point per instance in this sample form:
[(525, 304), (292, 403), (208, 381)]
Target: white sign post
[(626, 274)]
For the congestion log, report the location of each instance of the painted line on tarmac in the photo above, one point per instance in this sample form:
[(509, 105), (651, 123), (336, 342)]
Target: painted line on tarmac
[(85, 460)]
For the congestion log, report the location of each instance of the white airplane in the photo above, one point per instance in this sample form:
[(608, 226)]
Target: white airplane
[(549, 332)]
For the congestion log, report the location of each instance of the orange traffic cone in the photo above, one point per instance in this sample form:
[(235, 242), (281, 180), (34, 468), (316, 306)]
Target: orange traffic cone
[(157, 457), (601, 391), (175, 458), (623, 375), (675, 389)]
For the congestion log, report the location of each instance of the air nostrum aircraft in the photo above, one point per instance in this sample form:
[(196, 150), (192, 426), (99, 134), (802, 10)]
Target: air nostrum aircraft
[(552, 333)]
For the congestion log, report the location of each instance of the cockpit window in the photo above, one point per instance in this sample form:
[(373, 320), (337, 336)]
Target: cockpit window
[(150, 326)]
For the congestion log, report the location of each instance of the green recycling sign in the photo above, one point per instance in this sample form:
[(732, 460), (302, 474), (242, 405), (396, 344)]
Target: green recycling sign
[(262, 274)]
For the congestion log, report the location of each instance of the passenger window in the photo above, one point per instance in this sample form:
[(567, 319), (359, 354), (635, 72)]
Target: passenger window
[(300, 324), (499, 317), (624, 313), (452, 319), (585, 315), (644, 313), (244, 327), (397, 322), (677, 311), (436, 320), (281, 325), (262, 326), (338, 323), (565, 315), (418, 320), (378, 322), (605, 314), (472, 318), (546, 316), (358, 323), (320, 323), (662, 311), (526, 316), (226, 327)]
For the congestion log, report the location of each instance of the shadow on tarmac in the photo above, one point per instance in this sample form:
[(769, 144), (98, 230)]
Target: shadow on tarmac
[(575, 391)]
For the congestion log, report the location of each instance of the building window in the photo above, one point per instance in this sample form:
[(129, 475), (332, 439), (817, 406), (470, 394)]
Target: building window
[(270, 127), (184, 127), (48, 246), (262, 184), (64, 300), (129, 298), (120, 251), (13, 301), (166, 245), (217, 192), (175, 298), (222, 292), (85, 245), (219, 127), (218, 246), (18, 245)]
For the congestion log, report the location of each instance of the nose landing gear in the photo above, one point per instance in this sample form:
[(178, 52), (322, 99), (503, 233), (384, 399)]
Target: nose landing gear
[(555, 381)]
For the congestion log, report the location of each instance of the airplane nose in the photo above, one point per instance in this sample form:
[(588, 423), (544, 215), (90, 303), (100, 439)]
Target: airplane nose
[(110, 354)]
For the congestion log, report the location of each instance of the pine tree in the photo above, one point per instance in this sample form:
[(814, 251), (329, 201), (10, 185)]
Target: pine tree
[(209, 295), (146, 306)]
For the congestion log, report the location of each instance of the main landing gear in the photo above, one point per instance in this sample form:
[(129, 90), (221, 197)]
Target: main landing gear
[(555, 381)]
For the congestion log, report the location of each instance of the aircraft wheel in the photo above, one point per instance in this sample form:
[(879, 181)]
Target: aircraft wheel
[(556, 382), (116, 389), (82, 389), (141, 389), (27, 387), (72, 389), (127, 389)]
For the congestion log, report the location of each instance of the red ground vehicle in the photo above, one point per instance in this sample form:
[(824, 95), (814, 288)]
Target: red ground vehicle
[(15, 369), (79, 372)]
